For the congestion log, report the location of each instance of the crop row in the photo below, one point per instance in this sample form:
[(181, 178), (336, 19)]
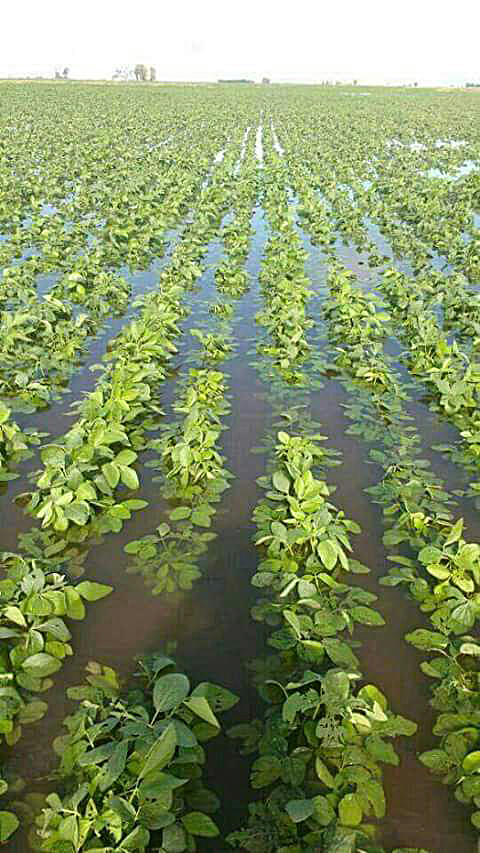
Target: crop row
[(285, 287), (76, 491), (191, 467), (440, 568)]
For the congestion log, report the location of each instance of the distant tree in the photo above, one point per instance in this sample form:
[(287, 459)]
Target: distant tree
[(266, 80), (415, 84), (65, 73), (153, 74), (58, 76), (140, 72), (355, 82)]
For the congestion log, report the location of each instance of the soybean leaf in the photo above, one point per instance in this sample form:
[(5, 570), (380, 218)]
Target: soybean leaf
[(169, 691)]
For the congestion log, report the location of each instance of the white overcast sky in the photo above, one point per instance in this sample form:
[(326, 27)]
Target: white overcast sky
[(304, 40)]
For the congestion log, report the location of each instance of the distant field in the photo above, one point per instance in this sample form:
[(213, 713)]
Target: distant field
[(239, 468)]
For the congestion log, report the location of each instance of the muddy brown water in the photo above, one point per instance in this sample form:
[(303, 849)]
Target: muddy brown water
[(211, 624)]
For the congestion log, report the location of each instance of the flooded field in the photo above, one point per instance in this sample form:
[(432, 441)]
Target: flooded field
[(239, 450)]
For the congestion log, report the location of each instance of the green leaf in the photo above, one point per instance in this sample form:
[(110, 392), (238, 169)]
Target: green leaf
[(201, 518), (279, 531), (136, 840), (123, 808), (169, 691), (375, 794), (455, 532), (111, 474), (299, 810), (281, 482), (427, 640), (75, 605), (160, 784), (180, 512), (323, 773), (381, 750), (219, 698), (161, 752), (327, 553), (339, 652), (475, 818), (134, 546), (174, 839), (134, 504), (197, 823), (9, 823), (92, 591), (53, 454), (369, 691), (115, 766), (436, 760), (78, 512), (57, 628), (465, 614), (129, 478), (470, 649), (41, 665), (430, 554), (438, 571), (199, 705), (125, 457), (265, 770), (68, 830), (323, 811), (96, 755), (367, 616), (350, 810), (86, 492), (471, 762), (293, 621), (32, 712), (14, 614)]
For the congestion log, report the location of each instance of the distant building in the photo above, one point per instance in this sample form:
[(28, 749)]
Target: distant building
[(265, 81)]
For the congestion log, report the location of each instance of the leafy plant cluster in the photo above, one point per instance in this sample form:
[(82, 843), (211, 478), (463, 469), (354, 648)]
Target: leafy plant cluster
[(404, 180), (76, 493), (194, 476), (358, 325), (35, 638), (105, 222), (131, 765), (192, 469), (231, 276), (14, 443), (440, 569), (76, 490), (451, 375), (320, 748), (285, 287)]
